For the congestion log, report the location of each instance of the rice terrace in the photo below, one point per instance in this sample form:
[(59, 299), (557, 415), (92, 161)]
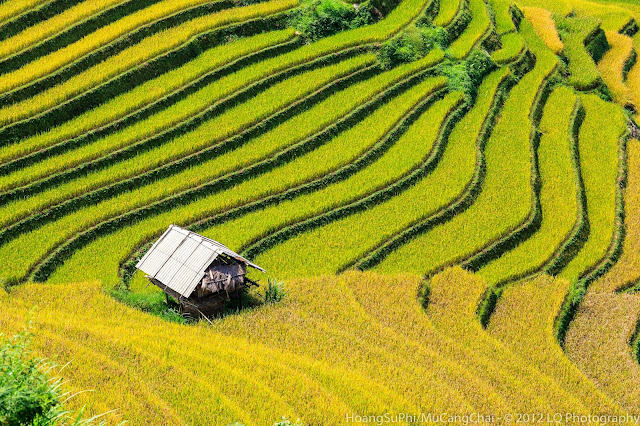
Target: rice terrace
[(319, 212)]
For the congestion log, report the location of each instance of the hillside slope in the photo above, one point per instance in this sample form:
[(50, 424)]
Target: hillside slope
[(447, 187)]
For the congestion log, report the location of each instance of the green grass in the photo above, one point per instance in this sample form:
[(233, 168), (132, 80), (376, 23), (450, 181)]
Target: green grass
[(383, 220), (600, 133), (574, 32), (146, 93), (318, 162), (135, 55), (474, 33), (209, 133), (558, 193), (505, 200)]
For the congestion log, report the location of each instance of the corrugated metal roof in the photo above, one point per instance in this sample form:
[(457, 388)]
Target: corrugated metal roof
[(179, 258)]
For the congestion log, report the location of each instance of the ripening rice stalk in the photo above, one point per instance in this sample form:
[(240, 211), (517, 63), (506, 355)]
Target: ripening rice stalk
[(575, 30), (322, 160), (474, 32), (53, 25), (12, 8), (558, 193), (512, 46), (404, 156), (453, 297), (208, 133), (598, 144), (447, 11), (633, 80), (626, 271), (598, 342), (524, 319), (545, 27), (148, 92), (612, 66), (147, 49), (505, 200), (373, 224)]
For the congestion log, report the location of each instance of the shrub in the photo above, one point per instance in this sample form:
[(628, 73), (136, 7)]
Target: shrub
[(27, 395), (322, 18), (274, 292), (466, 76), (411, 44)]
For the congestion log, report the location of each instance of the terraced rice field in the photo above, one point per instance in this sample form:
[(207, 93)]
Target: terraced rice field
[(457, 228)]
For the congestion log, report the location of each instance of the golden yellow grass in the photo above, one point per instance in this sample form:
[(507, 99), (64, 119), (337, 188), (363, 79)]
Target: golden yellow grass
[(453, 300), (13, 8), (53, 25), (633, 80), (545, 27), (627, 270), (598, 343), (612, 64), (524, 321), (355, 343)]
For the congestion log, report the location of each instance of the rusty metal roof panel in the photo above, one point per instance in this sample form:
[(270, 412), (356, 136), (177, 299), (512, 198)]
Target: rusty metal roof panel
[(179, 258)]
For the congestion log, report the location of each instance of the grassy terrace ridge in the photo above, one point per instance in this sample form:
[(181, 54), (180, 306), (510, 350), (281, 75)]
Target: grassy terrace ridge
[(134, 56), (12, 9), (402, 157), (190, 169), (280, 162), (559, 191), (152, 96), (445, 193), (64, 55), (599, 161), (625, 274), (264, 185), (462, 194), (508, 170), (299, 87), (367, 213), (69, 65), (77, 11), (399, 18), (203, 135), (401, 206), (73, 33)]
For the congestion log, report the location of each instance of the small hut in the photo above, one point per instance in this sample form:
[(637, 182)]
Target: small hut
[(200, 273)]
